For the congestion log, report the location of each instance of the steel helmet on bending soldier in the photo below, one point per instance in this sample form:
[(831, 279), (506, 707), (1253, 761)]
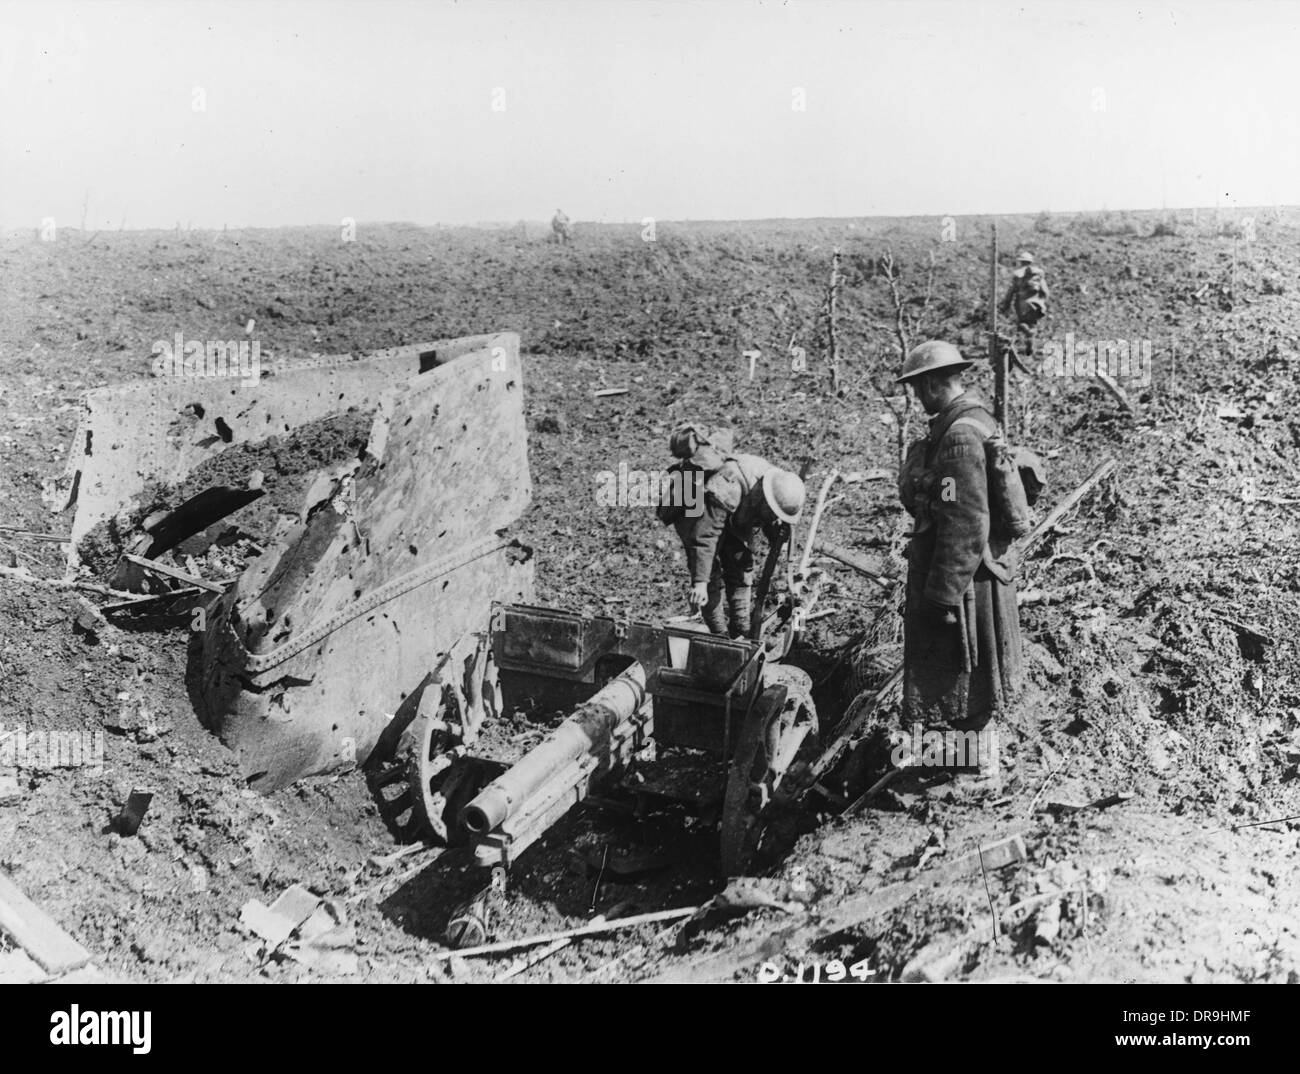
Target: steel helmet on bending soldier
[(738, 495)]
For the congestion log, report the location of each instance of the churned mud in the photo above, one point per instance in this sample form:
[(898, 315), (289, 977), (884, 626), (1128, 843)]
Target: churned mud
[(1163, 662)]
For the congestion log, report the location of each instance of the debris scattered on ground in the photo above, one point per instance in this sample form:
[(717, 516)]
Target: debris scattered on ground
[(745, 893), (1109, 800), (383, 863), (128, 821), (306, 928), (136, 719), (938, 961), (628, 864), (155, 567), (38, 934), (88, 621), (592, 929), (997, 855), (606, 969), (1047, 922), (533, 959)]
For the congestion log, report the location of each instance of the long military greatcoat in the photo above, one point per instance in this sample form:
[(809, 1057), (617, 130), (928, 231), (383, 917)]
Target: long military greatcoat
[(960, 675)]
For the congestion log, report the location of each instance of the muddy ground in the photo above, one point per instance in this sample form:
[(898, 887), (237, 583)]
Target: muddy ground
[(1163, 657)]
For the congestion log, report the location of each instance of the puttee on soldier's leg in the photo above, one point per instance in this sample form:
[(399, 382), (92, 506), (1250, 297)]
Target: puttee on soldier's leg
[(737, 561), (714, 612)]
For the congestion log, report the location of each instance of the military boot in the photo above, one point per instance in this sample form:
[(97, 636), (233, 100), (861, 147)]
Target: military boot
[(981, 774)]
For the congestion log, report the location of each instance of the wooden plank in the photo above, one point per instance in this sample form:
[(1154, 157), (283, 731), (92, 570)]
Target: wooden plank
[(857, 562), (37, 933), (745, 958), (996, 855), (533, 959), (861, 909), (16, 532), (857, 912), (173, 572), (594, 929), (1031, 540), (24, 575), (154, 599), (17, 967)]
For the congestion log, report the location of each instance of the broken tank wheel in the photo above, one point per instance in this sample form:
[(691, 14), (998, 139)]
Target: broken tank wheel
[(428, 778), (442, 777), (423, 784), (392, 789)]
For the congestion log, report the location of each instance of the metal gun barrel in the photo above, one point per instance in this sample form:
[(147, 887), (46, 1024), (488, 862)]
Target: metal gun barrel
[(585, 732)]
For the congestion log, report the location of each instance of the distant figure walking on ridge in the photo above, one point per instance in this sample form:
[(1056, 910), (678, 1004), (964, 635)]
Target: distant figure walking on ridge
[(560, 227), (1027, 295)]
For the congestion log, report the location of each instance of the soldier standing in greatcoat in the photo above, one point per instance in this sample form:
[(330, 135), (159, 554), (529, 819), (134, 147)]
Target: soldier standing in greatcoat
[(961, 631)]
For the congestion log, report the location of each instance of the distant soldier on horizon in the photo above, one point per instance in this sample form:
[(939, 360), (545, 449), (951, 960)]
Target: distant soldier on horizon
[(1027, 295), (560, 227)]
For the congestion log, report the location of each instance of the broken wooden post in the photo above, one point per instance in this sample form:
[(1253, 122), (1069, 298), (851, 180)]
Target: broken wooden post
[(832, 313), (997, 353), (31, 535), (1036, 536)]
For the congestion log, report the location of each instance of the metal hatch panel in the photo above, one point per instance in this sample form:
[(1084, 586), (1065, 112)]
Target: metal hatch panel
[(323, 637), (150, 430)]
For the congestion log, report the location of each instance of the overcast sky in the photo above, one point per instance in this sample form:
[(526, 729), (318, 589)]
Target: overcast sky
[(262, 112)]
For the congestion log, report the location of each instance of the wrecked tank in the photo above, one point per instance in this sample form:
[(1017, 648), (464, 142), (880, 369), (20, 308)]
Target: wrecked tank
[(394, 558)]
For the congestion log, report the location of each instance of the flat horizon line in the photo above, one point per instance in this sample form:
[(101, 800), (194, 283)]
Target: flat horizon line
[(545, 222)]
